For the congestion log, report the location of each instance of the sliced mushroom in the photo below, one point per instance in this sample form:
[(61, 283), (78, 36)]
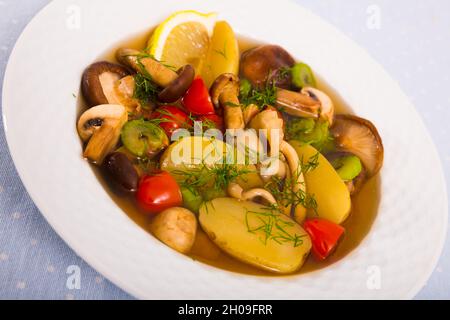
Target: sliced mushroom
[(124, 93), (100, 127), (225, 94), (174, 84), (236, 191), (265, 64), (269, 120), (250, 112), (326, 104), (297, 104), (359, 137), (98, 82)]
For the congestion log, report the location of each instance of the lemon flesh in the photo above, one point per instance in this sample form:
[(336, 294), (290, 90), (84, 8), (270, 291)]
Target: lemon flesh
[(183, 38)]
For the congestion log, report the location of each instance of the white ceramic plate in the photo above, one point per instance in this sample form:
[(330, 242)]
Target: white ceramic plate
[(40, 114)]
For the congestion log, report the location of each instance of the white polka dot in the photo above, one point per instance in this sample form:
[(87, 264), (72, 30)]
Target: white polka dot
[(70, 296), (16, 215), (1, 189), (3, 256), (50, 268), (98, 280), (33, 242), (14, 21), (21, 285), (439, 269), (2, 3), (4, 48)]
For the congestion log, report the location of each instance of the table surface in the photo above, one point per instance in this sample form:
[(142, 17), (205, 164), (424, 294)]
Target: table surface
[(411, 39)]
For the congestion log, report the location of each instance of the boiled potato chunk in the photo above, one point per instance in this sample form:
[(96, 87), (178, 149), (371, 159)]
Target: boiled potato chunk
[(331, 193), (192, 153), (255, 234), (223, 54)]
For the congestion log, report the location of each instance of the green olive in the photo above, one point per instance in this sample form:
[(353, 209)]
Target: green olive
[(144, 139), (302, 76), (348, 167)]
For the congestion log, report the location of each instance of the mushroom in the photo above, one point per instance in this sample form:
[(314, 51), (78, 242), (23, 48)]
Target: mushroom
[(100, 127), (176, 227), (269, 120), (174, 84), (265, 64), (225, 94), (359, 137), (98, 82), (124, 94), (249, 112), (281, 171), (236, 191), (297, 104), (326, 104)]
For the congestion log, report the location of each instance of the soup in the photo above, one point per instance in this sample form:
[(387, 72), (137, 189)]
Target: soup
[(205, 247)]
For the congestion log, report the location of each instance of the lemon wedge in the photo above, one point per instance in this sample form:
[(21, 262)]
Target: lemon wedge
[(183, 38)]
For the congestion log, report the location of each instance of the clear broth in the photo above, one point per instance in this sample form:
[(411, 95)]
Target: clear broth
[(364, 204)]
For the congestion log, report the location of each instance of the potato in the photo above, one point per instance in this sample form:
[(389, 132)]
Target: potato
[(331, 193), (176, 227), (237, 228), (180, 156), (223, 54)]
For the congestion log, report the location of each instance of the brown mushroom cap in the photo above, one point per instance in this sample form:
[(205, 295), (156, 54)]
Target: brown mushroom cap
[(359, 137), (177, 88), (99, 78), (264, 63)]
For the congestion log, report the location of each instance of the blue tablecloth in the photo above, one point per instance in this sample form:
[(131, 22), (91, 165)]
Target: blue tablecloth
[(411, 39)]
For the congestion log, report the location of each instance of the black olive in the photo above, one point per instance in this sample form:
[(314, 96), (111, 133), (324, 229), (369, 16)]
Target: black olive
[(121, 171)]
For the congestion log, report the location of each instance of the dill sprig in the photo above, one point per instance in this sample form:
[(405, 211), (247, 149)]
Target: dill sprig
[(312, 163), (144, 89), (221, 175), (223, 52), (272, 226), (265, 96), (283, 191)]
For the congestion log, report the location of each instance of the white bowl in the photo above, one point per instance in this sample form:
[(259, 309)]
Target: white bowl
[(40, 114)]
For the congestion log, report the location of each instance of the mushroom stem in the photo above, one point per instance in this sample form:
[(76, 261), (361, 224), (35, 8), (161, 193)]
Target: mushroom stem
[(250, 112), (160, 74), (225, 93), (236, 191)]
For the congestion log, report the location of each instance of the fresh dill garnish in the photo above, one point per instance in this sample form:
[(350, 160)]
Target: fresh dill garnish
[(74, 95), (265, 96), (312, 163), (144, 89), (283, 191), (223, 52), (269, 222), (284, 73), (218, 176)]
